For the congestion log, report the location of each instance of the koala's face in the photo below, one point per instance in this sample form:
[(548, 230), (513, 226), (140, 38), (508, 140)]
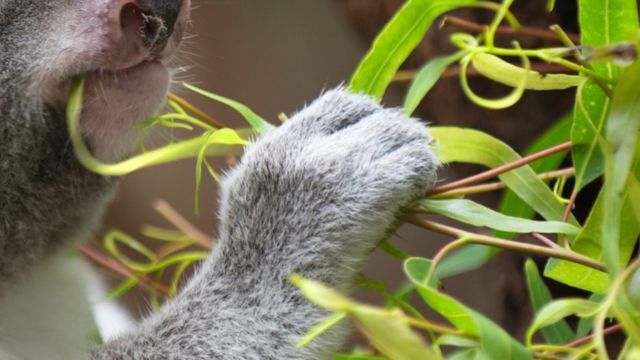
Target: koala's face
[(120, 46)]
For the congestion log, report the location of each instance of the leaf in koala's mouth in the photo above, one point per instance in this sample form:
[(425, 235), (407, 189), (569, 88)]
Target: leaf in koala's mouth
[(173, 152)]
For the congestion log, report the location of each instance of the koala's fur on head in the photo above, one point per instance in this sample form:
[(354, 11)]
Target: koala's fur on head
[(313, 196)]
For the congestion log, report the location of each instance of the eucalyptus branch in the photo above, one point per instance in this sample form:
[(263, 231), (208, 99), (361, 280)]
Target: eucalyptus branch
[(585, 339), (454, 71), (505, 30), (201, 114), (465, 237), (545, 240), (498, 185), (177, 220), (607, 304), (501, 169), (570, 42), (115, 267)]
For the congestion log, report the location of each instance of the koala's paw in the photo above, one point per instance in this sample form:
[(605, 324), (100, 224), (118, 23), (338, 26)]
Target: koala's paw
[(343, 158)]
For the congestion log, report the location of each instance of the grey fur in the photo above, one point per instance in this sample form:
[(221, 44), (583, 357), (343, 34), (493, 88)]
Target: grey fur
[(312, 197)]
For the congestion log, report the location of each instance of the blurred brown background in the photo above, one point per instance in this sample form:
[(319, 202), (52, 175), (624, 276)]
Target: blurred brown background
[(275, 56)]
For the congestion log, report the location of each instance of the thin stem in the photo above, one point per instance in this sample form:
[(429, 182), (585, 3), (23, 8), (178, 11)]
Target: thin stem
[(466, 237), (454, 71), (114, 266), (501, 169), (430, 326), (201, 114), (172, 216), (498, 185), (545, 240), (505, 30), (569, 42), (583, 340)]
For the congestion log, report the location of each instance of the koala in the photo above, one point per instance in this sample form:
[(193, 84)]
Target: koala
[(313, 196)]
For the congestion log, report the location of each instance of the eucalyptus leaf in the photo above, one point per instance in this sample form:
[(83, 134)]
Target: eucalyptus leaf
[(558, 310), (508, 74), (397, 40), (425, 80), (390, 333), (558, 333), (472, 146), (470, 212), (602, 22), (259, 124), (622, 140), (493, 341)]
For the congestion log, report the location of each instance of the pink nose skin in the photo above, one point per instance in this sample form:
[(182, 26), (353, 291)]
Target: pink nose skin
[(144, 30)]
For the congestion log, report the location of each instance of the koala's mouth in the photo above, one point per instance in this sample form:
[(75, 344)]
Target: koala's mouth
[(131, 81)]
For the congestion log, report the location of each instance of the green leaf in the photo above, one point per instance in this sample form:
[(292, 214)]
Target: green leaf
[(602, 22), (357, 357), (259, 124), (496, 69), (558, 310), (590, 113), (586, 323), (388, 330), (178, 151), (390, 333), (397, 40), (622, 140), (472, 146), (493, 341), (320, 329), (425, 80), (476, 147), (557, 134), (558, 333), (470, 212), (589, 241)]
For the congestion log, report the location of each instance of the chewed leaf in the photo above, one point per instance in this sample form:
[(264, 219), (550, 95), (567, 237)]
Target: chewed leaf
[(508, 74), (470, 212), (169, 153), (396, 41)]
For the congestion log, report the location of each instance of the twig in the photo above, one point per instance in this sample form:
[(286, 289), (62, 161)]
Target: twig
[(501, 169), (172, 216), (465, 237), (454, 71), (498, 185), (583, 340), (545, 240), (506, 30), (114, 266), (201, 114)]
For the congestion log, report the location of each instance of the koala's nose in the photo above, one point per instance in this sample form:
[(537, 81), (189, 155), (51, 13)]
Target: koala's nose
[(153, 22)]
